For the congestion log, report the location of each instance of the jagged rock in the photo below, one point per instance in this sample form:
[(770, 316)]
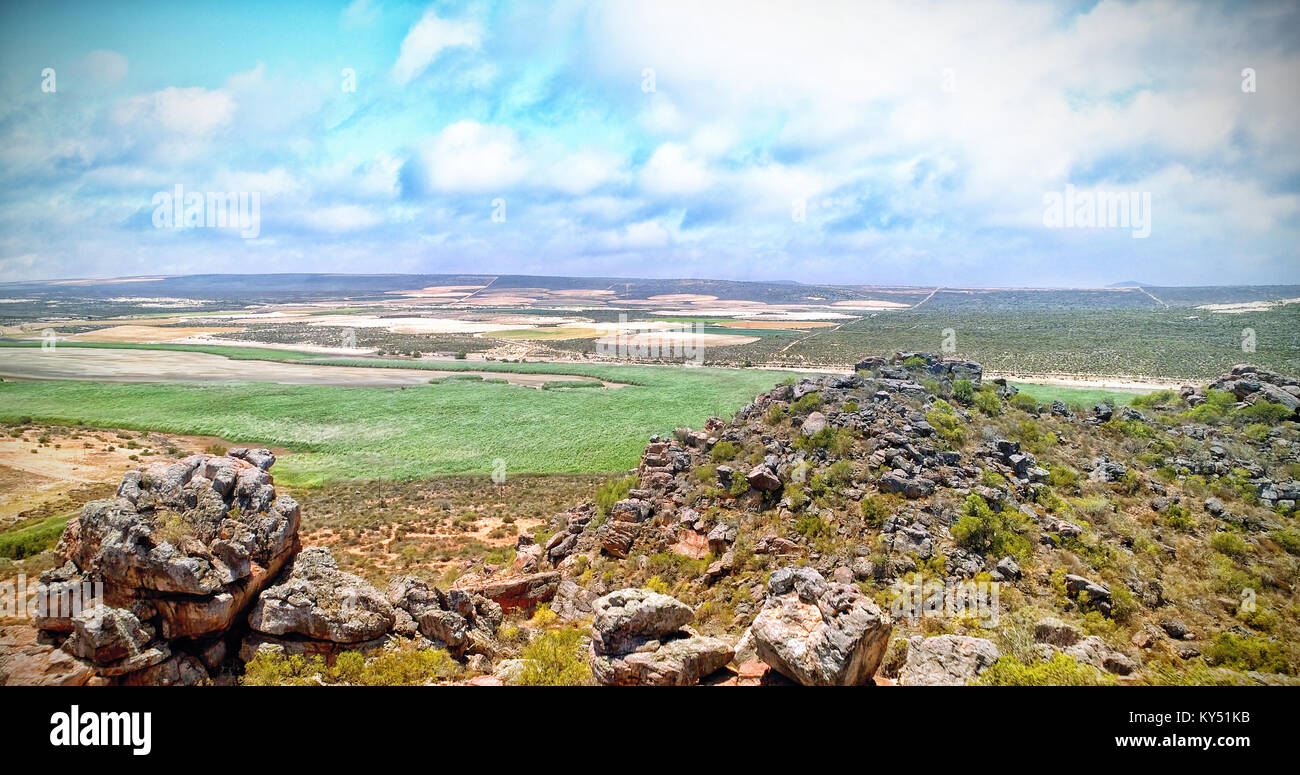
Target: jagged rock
[(616, 537), (637, 637), (103, 635), (463, 622), (813, 423), (624, 619), (571, 601), (1094, 651), (25, 661), (1106, 470), (313, 598), (762, 477), (721, 536), (909, 487), (819, 634), (946, 660)]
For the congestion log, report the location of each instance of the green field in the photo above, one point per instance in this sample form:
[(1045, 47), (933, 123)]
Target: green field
[(345, 433), (1046, 394)]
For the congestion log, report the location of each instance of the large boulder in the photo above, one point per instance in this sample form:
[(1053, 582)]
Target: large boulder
[(818, 633), (946, 660), (175, 559), (315, 599), (516, 593), (639, 637)]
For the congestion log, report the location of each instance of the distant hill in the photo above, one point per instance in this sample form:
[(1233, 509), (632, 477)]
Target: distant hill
[(1130, 284)]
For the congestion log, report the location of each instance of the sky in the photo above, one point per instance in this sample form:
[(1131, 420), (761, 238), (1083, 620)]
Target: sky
[(906, 143)]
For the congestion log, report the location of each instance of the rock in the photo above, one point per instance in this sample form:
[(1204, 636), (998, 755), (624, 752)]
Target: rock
[(462, 621), (946, 660), (637, 637), (909, 487), (25, 661), (616, 537), (572, 602), (1215, 506), (1098, 593), (1055, 632), (813, 423), (518, 593), (819, 634), (103, 635), (1094, 651), (721, 537), (1174, 629), (1107, 470), (679, 661), (624, 619), (1006, 570), (313, 598), (763, 478)]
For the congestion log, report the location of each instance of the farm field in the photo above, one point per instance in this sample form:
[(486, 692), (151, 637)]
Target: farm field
[(363, 433)]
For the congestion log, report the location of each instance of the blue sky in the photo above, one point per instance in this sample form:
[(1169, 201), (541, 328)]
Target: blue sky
[(919, 141)]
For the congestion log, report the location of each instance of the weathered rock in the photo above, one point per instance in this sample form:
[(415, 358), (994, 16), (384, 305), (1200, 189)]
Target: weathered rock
[(1055, 632), (462, 621), (819, 634), (946, 660), (517, 593), (317, 600), (762, 477), (637, 637)]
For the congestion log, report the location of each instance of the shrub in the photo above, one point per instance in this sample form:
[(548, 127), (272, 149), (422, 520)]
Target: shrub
[(554, 660), (988, 402), (964, 391), (1060, 670), (1247, 652), (946, 422), (1062, 476), (809, 403), (983, 530), (612, 492), (724, 451), (876, 509), (775, 413), (1023, 402), (1230, 544), (1287, 538), (407, 666), (1266, 412)]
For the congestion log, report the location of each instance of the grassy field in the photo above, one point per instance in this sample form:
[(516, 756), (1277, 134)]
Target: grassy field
[(346, 433), (1046, 394)]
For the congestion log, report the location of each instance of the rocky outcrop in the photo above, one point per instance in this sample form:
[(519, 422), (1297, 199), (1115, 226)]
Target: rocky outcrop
[(315, 599), (175, 559), (818, 633), (946, 660), (515, 593), (639, 637), (458, 620)]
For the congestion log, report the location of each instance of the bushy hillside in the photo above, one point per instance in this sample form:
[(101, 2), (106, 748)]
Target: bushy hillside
[(1155, 543)]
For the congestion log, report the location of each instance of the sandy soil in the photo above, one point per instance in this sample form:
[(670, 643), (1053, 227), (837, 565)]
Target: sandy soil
[(662, 339), (159, 366), (146, 334), (56, 476), (1120, 382)]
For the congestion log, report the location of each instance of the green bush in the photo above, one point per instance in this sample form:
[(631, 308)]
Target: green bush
[(876, 509), (1287, 538), (406, 666), (809, 403), (946, 423), (1247, 652), (613, 491), (964, 391), (1060, 670), (1230, 544), (724, 451), (554, 659), (987, 401), (1266, 412), (983, 530)]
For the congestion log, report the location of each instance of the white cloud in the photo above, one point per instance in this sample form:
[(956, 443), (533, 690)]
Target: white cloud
[(672, 170), (469, 156), (359, 13), (341, 218), (427, 39)]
